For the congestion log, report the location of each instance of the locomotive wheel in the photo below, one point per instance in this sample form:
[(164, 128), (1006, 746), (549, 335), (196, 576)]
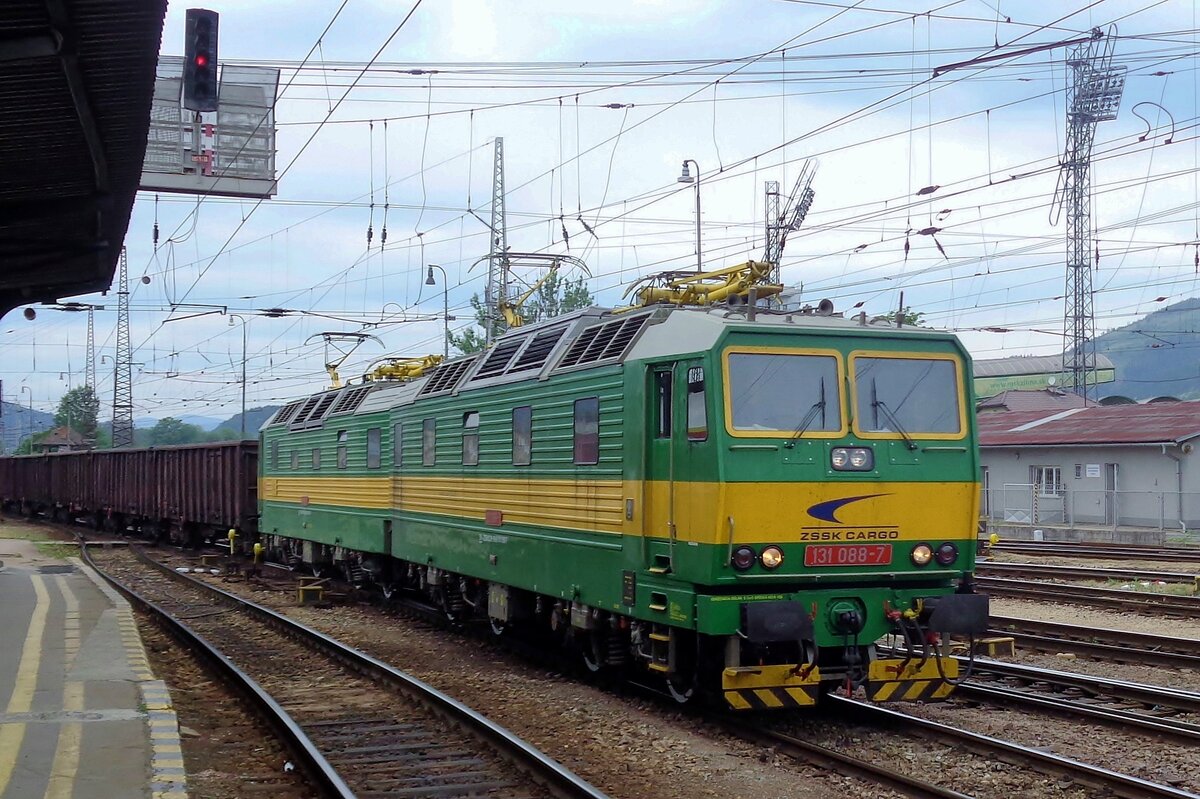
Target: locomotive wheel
[(682, 687), (594, 648)]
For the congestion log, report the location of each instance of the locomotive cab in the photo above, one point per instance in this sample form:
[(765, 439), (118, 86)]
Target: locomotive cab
[(819, 488)]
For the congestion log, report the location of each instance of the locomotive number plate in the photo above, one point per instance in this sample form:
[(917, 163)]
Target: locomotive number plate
[(848, 555)]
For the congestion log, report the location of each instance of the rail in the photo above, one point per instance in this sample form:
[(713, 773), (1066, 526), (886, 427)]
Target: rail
[(1123, 646), (1048, 571), (542, 770), (842, 763), (1083, 695), (1084, 773), (1137, 601), (1098, 551)]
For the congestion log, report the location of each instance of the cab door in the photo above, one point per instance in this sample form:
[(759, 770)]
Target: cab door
[(678, 465), (659, 485)]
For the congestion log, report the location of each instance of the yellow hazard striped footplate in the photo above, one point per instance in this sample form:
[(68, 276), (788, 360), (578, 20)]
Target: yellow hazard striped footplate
[(770, 687), (898, 680)]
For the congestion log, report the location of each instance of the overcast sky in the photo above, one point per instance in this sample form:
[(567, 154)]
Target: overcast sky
[(747, 88)]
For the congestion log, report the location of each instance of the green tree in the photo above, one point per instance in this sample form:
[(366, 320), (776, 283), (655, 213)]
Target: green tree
[(78, 410), (910, 317), (555, 297), (173, 431), (26, 445)]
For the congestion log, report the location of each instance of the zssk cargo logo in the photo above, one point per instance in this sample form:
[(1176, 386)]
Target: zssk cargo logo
[(827, 512)]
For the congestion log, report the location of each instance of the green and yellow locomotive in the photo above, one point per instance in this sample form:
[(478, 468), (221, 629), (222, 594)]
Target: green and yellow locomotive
[(743, 502)]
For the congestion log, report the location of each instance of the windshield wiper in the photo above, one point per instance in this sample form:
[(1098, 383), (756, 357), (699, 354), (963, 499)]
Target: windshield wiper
[(801, 428), (880, 405)]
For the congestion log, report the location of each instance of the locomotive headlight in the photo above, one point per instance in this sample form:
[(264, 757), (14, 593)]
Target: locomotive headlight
[(921, 554), (852, 459), (743, 558), (947, 553), (771, 557)]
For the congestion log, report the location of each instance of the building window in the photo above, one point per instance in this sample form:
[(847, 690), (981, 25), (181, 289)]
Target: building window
[(295, 459), (587, 431), (398, 444), (1048, 481), (275, 455), (316, 458), (470, 438), (662, 402), (522, 436), (697, 410), (429, 442), (1078, 471), (343, 440), (374, 447)]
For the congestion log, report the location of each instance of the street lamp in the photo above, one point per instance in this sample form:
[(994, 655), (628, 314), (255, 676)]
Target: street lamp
[(28, 416), (429, 281), (686, 177), (242, 319)]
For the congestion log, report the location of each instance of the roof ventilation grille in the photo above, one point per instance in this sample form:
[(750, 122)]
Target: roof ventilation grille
[(445, 377)]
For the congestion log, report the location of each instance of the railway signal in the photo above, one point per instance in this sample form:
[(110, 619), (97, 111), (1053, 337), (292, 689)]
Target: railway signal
[(200, 60)]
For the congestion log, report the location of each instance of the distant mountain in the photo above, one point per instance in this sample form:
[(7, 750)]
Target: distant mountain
[(17, 422), (1158, 355), (205, 423), (254, 420)]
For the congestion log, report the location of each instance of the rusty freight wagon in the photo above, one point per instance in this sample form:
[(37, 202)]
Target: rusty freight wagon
[(186, 493)]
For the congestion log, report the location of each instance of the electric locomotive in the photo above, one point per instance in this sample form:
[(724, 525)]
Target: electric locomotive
[(743, 503)]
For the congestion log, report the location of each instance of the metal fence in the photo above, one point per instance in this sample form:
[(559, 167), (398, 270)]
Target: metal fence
[(1025, 503)]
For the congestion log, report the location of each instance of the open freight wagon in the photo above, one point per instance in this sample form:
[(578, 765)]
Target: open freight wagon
[(186, 493)]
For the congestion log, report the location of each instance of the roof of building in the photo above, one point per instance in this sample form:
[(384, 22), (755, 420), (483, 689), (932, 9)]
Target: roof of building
[(1156, 423), (1047, 399), (1029, 365), (62, 437), (76, 79)]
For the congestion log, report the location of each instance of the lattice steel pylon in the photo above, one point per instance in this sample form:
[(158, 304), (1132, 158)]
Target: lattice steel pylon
[(1093, 95), (496, 289), (90, 373), (122, 431), (782, 221)]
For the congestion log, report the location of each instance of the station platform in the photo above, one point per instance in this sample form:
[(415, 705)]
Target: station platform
[(83, 716)]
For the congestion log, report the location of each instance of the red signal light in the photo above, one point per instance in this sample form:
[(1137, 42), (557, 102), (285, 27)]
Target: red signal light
[(201, 60)]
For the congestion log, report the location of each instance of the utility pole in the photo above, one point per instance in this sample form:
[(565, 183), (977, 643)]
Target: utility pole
[(122, 431), (496, 290), (1093, 95)]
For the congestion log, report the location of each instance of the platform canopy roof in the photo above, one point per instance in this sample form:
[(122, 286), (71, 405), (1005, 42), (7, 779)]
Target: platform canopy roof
[(76, 81)]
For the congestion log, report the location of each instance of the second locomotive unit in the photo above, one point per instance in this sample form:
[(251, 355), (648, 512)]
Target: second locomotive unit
[(742, 503)]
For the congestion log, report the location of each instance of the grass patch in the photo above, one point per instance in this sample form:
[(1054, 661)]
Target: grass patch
[(19, 530), (1174, 589), (53, 549)]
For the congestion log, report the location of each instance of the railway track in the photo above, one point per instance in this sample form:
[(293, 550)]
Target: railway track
[(1150, 708), (1097, 551), (359, 727), (839, 762), (1122, 646), (1135, 601), (1047, 571), (1093, 776)]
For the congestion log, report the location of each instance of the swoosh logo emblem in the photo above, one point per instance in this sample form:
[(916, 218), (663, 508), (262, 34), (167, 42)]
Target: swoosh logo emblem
[(825, 510)]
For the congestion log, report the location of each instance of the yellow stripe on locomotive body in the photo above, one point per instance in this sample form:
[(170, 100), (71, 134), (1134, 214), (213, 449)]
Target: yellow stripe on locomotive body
[(761, 512)]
